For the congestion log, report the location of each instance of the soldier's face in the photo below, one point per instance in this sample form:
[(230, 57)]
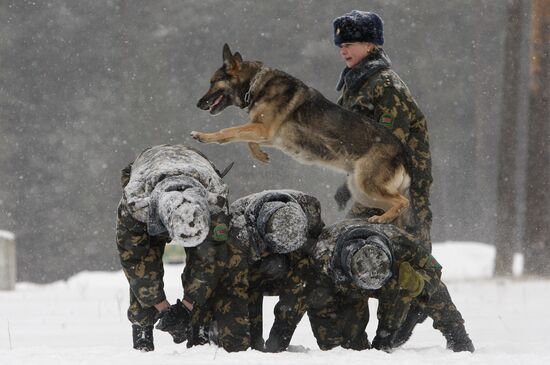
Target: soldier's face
[(353, 53)]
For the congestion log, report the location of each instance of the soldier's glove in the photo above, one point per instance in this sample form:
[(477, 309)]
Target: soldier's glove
[(175, 320), (410, 280), (342, 196)]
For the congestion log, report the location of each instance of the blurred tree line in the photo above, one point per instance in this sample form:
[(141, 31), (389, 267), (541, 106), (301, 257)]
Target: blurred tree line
[(86, 85)]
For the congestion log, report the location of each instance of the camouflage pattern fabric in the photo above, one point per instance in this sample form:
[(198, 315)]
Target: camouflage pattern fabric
[(289, 283), (337, 318), (225, 313), (206, 266), (292, 290), (141, 259), (373, 89), (441, 309), (329, 313)]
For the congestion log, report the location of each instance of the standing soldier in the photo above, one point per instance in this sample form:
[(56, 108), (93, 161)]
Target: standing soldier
[(172, 194), (370, 87), (357, 259)]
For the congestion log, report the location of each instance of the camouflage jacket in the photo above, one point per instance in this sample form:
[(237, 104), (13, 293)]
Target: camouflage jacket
[(373, 89), (141, 253), (288, 280), (393, 301)]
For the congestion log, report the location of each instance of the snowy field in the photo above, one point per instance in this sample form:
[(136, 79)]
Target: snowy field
[(83, 321)]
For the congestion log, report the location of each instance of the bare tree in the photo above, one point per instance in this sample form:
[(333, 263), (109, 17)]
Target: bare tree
[(506, 224), (537, 219)]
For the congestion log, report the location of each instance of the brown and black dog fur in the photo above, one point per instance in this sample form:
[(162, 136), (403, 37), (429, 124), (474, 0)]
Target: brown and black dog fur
[(297, 119)]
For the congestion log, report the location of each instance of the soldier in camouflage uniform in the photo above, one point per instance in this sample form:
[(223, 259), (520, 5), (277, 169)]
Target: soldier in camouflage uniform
[(370, 87), (172, 194), (227, 305), (357, 260), (272, 226)]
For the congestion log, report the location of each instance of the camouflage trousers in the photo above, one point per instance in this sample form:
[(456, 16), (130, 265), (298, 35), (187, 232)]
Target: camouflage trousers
[(225, 314), (338, 320), (394, 306), (225, 319), (288, 312), (441, 309), (141, 259)]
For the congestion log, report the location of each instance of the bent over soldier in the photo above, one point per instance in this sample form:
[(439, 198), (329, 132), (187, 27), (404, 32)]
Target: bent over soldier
[(358, 260), (272, 226), (171, 194)]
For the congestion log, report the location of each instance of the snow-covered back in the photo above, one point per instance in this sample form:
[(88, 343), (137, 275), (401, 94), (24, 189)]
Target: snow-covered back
[(244, 215), (159, 162)]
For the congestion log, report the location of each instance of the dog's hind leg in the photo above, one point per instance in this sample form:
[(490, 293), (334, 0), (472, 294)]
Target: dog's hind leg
[(399, 204), (257, 152), (380, 185)]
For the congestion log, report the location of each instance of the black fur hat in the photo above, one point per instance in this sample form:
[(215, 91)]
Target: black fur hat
[(358, 26)]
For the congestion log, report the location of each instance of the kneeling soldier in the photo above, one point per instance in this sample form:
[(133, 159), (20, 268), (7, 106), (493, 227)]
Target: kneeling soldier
[(172, 194), (359, 260)]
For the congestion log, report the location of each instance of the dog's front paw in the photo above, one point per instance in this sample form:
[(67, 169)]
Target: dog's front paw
[(262, 156), (198, 136)]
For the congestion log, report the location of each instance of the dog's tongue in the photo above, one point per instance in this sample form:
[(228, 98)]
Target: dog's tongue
[(218, 100)]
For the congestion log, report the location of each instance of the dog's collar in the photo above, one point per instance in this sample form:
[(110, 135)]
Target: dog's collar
[(254, 83)]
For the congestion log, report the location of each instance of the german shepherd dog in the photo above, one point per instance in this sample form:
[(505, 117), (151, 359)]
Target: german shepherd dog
[(297, 119)]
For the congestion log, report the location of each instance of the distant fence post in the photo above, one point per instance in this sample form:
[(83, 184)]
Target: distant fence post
[(7, 261)]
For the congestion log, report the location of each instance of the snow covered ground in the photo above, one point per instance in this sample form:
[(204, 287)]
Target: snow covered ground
[(83, 321)]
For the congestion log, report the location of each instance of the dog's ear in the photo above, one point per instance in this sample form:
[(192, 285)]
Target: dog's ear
[(231, 62), (238, 57), (227, 56)]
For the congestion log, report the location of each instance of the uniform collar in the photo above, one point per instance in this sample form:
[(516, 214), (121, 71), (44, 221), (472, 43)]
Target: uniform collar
[(357, 75)]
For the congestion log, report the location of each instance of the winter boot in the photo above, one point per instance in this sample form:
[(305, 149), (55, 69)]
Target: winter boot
[(143, 337), (414, 317), (458, 340), (201, 335), (383, 339)]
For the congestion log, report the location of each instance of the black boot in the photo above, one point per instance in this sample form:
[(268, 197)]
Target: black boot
[(458, 340), (414, 317), (201, 335), (143, 337)]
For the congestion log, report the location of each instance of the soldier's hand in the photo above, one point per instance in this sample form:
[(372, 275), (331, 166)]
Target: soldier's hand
[(410, 280), (175, 320), (342, 196)]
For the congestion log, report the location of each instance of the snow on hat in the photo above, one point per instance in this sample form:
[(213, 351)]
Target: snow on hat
[(367, 261), (185, 213), (358, 26), (282, 225)]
